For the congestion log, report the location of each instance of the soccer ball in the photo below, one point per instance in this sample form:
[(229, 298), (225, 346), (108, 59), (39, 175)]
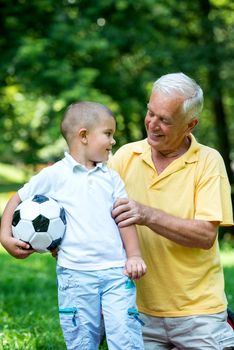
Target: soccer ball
[(40, 221)]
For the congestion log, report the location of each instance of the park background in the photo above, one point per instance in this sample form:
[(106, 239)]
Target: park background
[(55, 52)]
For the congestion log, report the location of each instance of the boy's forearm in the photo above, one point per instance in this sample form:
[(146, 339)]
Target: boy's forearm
[(6, 221), (135, 266), (15, 247), (130, 241)]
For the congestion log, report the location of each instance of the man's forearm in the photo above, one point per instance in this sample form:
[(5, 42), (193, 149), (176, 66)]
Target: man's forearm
[(187, 232)]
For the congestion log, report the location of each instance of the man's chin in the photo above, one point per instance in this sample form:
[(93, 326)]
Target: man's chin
[(152, 142)]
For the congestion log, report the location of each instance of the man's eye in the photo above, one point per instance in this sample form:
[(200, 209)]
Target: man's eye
[(165, 121), (151, 114)]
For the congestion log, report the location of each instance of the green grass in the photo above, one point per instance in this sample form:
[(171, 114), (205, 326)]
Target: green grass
[(28, 309), (227, 256), (28, 301), (28, 304)]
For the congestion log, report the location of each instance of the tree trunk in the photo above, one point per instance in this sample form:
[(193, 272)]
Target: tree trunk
[(222, 132), (215, 84)]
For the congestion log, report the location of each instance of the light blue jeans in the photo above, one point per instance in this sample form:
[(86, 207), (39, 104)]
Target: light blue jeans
[(85, 296)]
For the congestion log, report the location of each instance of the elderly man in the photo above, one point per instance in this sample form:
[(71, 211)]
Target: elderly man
[(180, 195)]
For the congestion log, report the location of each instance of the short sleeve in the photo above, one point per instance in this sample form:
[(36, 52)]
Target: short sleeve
[(213, 193), (38, 184), (119, 187)]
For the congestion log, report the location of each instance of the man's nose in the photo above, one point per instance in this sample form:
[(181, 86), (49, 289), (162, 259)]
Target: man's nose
[(154, 123)]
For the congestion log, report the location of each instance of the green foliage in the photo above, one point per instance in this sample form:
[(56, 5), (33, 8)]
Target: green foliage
[(11, 174), (110, 52)]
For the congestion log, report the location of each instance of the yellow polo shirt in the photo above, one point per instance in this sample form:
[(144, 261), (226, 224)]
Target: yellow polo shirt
[(180, 281)]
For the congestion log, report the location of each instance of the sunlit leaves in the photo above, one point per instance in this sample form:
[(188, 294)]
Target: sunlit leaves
[(109, 51)]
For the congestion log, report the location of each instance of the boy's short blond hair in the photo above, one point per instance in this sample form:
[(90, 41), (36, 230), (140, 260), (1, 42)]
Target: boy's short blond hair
[(82, 115)]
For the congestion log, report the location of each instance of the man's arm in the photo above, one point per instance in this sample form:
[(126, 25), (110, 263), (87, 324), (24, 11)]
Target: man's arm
[(15, 247), (135, 266), (187, 232)]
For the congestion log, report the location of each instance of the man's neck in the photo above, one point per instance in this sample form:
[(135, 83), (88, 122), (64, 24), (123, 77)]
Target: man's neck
[(176, 153), (162, 159)]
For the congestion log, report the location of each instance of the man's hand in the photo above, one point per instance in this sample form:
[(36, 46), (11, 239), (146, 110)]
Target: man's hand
[(17, 248), (135, 267), (128, 212)]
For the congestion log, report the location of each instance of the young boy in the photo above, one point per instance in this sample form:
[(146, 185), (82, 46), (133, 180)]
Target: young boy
[(92, 255)]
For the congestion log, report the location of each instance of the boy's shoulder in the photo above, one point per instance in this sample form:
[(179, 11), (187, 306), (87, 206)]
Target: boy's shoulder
[(50, 167), (53, 170)]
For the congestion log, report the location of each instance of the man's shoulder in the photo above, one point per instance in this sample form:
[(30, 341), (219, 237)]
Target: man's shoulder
[(209, 152), (133, 147), (122, 159), (210, 161)]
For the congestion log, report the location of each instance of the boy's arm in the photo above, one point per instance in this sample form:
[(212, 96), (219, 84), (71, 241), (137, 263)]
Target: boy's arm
[(135, 266), (15, 247)]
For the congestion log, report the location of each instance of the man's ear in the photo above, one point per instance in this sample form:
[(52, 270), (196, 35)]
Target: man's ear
[(83, 135), (192, 124)]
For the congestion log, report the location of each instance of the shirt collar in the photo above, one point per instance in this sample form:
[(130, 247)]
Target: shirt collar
[(192, 153), (190, 156), (74, 165)]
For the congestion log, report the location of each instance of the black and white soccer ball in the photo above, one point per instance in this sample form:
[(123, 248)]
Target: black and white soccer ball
[(40, 221)]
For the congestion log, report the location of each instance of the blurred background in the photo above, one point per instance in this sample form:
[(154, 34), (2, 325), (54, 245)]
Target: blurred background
[(111, 51), (55, 52)]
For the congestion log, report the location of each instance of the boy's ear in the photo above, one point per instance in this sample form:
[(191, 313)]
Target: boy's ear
[(83, 135)]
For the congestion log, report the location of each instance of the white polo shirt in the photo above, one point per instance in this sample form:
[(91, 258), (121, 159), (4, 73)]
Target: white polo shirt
[(92, 240)]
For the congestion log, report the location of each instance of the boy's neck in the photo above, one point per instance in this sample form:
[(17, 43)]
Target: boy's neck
[(89, 164)]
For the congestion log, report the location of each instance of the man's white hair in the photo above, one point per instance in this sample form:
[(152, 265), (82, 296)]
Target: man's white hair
[(182, 85)]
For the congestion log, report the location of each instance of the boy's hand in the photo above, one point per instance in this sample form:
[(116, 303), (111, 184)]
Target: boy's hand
[(17, 248), (54, 252), (135, 267)]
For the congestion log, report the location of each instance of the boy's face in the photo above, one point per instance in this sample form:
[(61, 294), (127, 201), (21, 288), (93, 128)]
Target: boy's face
[(100, 139)]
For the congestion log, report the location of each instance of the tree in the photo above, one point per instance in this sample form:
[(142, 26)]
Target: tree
[(109, 51), (212, 23)]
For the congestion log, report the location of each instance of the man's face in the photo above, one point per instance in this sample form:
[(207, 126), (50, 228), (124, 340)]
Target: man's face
[(165, 124)]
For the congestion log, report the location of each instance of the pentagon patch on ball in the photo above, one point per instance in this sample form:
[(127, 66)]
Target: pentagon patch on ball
[(39, 221)]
